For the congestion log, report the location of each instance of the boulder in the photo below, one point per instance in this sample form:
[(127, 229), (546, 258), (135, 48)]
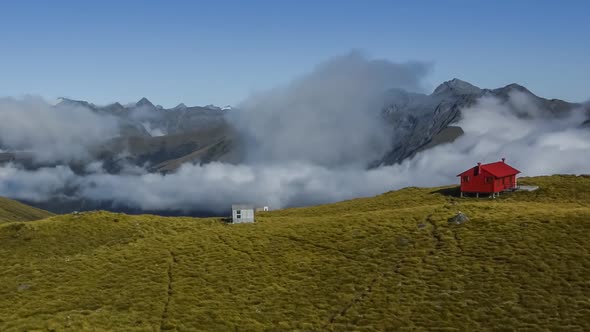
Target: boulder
[(459, 219)]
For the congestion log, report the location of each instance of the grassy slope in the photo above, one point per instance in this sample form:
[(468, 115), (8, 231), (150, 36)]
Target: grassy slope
[(14, 211), (388, 262)]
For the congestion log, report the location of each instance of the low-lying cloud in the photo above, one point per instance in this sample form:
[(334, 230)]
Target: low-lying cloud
[(310, 143), (536, 146), (50, 134), (329, 117)]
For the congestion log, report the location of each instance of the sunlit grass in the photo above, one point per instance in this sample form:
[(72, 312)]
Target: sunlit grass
[(383, 263), (11, 210)]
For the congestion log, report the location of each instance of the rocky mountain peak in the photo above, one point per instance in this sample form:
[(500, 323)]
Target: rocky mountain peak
[(115, 108), (74, 103), (143, 102), (456, 87), (513, 87), (212, 107)]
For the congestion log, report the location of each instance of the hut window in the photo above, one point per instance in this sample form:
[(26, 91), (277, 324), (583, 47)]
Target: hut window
[(466, 179), (489, 179), (238, 214)]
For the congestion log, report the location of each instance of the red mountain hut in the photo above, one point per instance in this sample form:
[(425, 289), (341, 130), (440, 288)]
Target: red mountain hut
[(490, 178)]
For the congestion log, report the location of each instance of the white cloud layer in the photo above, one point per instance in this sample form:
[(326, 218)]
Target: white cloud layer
[(310, 142), (49, 133), (492, 131), (329, 117)]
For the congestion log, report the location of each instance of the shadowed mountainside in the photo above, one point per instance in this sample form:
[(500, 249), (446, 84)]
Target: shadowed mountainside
[(162, 139), (423, 121)]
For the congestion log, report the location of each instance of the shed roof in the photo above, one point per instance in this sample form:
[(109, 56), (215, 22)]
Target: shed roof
[(498, 169), (242, 207)]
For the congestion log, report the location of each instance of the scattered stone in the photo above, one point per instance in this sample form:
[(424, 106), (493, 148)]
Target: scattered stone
[(459, 219), (23, 287), (421, 225), (402, 241), (527, 188)]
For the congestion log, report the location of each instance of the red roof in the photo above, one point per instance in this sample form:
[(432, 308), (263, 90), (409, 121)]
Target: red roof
[(498, 169)]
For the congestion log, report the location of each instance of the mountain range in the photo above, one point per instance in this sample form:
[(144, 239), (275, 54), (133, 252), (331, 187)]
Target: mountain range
[(163, 139), (160, 140), (151, 135), (423, 121)]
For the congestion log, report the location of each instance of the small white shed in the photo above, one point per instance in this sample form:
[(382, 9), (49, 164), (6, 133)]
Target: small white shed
[(242, 213)]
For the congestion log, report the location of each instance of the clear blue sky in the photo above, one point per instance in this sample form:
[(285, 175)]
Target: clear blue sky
[(201, 52)]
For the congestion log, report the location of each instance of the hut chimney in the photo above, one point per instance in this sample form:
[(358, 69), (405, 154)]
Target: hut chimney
[(503, 160), (478, 168)]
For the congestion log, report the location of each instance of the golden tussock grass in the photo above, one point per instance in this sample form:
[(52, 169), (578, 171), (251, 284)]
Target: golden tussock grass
[(388, 262)]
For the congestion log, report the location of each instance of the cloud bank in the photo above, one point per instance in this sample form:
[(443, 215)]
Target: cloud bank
[(310, 142), (329, 117), (48, 133)]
